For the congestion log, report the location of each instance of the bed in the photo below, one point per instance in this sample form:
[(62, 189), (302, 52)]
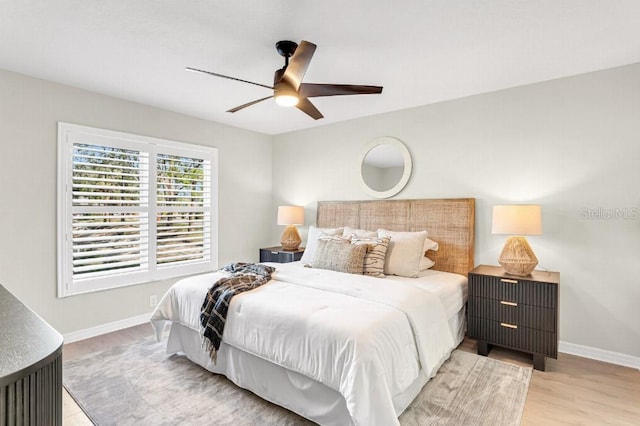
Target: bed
[(336, 348)]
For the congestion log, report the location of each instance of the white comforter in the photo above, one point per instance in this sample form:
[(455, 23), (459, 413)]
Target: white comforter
[(368, 338)]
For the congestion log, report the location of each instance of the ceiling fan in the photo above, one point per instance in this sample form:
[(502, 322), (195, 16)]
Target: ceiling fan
[(288, 88)]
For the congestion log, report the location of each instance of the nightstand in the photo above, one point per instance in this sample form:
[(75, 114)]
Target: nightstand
[(515, 312), (280, 255)]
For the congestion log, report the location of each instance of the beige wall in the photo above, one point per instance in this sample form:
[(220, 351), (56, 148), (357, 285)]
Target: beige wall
[(568, 144), (29, 112)]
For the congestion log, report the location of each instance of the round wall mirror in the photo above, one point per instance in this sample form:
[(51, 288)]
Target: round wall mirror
[(385, 167)]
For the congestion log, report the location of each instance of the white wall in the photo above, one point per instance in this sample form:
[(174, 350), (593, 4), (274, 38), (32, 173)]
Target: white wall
[(29, 112), (568, 144)]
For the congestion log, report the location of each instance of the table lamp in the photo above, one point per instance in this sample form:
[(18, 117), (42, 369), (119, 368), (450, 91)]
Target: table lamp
[(290, 216), (517, 257)]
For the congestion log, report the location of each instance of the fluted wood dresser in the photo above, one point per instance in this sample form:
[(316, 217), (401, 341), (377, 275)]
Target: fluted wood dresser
[(30, 366), (515, 312)]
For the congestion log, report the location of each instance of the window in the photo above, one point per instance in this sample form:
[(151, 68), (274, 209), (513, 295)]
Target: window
[(132, 209)]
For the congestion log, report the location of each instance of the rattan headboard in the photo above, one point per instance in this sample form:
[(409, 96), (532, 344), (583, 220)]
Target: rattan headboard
[(450, 222)]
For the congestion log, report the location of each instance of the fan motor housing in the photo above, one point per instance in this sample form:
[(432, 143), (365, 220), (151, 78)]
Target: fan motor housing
[(286, 48)]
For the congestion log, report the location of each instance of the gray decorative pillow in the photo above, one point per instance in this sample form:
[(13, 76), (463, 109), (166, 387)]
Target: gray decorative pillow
[(376, 254), (340, 256), (312, 238)]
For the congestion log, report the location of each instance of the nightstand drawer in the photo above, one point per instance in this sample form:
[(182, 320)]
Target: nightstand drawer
[(514, 336), (278, 255), (506, 311), (268, 256), (513, 289)]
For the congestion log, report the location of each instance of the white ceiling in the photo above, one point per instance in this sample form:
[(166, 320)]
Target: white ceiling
[(421, 51)]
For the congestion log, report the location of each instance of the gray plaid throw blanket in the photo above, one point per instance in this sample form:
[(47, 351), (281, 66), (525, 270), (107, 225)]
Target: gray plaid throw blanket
[(213, 314)]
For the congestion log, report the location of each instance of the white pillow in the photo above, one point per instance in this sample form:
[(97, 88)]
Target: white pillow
[(430, 245), (360, 233), (312, 241), (404, 254), (426, 263)]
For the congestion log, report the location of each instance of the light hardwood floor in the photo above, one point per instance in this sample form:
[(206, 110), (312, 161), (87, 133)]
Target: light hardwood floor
[(572, 391)]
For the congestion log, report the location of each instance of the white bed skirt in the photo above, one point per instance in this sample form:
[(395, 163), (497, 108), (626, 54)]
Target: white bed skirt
[(294, 391)]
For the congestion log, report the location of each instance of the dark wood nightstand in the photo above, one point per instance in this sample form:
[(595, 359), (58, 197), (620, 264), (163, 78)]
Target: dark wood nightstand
[(280, 255), (515, 312)]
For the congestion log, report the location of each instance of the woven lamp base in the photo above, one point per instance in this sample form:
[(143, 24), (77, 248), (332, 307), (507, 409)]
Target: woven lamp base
[(517, 257), (290, 240)]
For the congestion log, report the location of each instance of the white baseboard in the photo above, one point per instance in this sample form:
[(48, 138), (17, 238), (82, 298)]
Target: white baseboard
[(86, 333), (599, 354)]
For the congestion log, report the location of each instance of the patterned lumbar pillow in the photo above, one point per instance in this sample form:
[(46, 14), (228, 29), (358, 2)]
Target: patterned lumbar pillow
[(340, 256), (375, 256)]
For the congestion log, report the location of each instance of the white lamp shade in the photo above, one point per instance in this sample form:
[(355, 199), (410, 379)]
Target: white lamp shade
[(517, 220), (290, 215)]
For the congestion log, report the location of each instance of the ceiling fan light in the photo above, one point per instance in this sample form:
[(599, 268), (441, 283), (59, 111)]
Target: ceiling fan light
[(286, 100)]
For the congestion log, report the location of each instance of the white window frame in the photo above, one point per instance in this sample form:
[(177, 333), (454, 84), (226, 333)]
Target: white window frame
[(70, 133)]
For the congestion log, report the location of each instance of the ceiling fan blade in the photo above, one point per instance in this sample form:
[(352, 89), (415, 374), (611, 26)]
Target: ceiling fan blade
[(310, 90), (226, 76), (299, 63), (238, 108), (308, 108)]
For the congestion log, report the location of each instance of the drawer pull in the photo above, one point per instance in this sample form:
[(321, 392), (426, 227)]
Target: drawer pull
[(504, 302), (507, 325), (504, 280), (274, 252)]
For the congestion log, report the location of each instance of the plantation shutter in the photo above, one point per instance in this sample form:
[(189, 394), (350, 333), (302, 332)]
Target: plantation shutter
[(183, 216), (110, 225), (132, 209)]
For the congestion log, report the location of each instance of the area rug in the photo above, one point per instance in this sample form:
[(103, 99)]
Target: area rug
[(139, 384)]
